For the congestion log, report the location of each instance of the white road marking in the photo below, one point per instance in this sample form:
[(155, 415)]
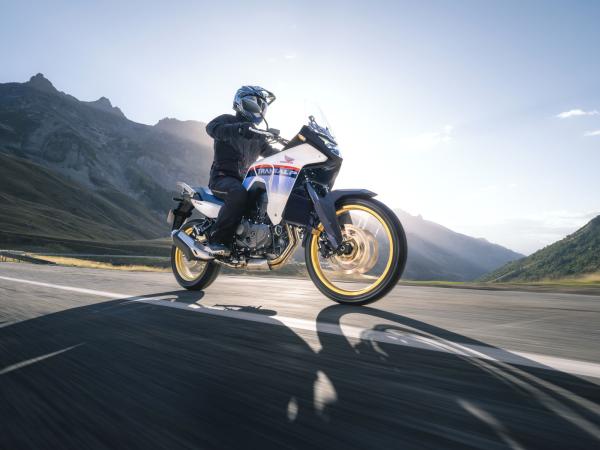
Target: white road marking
[(30, 361), (393, 337), (66, 288)]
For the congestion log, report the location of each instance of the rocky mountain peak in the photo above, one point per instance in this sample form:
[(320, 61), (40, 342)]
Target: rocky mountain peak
[(166, 121), (104, 104), (41, 83), (191, 130)]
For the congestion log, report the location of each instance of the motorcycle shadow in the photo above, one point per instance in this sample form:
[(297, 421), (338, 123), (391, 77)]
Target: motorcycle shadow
[(450, 392), (136, 375)]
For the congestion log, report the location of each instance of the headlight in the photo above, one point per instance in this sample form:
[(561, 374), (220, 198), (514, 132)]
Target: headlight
[(330, 145), (334, 149)]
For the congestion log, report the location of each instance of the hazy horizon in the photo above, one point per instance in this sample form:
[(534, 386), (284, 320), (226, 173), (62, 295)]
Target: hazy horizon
[(481, 117)]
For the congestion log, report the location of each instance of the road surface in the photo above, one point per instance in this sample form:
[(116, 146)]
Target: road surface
[(94, 359)]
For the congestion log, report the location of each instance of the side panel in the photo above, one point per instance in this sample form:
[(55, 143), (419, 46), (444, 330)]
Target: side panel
[(209, 209), (279, 173)]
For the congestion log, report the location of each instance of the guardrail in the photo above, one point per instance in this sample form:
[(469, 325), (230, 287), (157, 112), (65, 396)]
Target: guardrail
[(11, 255)]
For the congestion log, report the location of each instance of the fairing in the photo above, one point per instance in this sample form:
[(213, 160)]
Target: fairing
[(278, 174)]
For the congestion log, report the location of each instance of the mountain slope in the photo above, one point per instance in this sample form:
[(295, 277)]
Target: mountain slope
[(191, 130), (71, 169), (37, 201), (577, 254), (94, 144), (438, 253)]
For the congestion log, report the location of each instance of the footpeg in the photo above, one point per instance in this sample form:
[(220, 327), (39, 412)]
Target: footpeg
[(215, 250)]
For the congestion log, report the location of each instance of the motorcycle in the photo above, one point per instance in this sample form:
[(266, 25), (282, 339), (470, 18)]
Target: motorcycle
[(354, 246)]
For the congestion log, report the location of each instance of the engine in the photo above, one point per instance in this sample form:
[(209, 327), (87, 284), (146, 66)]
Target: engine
[(253, 236), (258, 238)]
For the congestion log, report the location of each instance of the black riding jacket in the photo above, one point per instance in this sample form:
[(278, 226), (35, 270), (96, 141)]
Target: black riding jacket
[(234, 153)]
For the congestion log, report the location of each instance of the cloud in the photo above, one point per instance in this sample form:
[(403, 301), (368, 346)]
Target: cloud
[(592, 133), (289, 56), (430, 139), (531, 232), (576, 113)]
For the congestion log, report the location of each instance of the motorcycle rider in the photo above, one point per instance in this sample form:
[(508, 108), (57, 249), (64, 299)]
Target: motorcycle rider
[(236, 147)]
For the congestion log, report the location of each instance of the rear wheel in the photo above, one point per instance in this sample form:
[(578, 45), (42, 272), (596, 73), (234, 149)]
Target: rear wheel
[(373, 259), (192, 274)]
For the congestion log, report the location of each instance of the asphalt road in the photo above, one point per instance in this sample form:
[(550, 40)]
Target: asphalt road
[(109, 359)]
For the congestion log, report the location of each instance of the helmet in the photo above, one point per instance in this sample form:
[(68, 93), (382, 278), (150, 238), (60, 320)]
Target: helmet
[(257, 95)]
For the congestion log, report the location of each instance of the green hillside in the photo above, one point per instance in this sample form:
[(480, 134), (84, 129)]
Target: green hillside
[(577, 254), (79, 176), (40, 204)]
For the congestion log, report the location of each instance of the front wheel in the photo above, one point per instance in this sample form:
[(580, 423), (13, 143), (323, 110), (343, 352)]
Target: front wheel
[(193, 275), (374, 253)]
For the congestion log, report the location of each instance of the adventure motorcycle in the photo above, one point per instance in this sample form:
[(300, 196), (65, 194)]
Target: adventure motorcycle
[(355, 246)]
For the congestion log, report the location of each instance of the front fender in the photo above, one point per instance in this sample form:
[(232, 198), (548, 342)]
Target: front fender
[(340, 194), (325, 208)]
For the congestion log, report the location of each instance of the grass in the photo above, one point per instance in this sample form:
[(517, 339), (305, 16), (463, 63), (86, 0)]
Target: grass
[(91, 264), (589, 279), (4, 258), (585, 284)]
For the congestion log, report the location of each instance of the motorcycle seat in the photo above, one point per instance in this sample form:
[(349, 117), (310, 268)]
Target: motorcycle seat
[(206, 195)]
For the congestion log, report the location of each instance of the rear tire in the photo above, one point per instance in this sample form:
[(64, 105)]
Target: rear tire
[(189, 274), (395, 261)]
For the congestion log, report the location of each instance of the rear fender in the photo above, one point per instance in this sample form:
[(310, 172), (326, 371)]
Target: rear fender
[(178, 216)]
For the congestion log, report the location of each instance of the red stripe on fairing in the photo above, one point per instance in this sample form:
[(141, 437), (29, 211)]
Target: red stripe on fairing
[(277, 166)]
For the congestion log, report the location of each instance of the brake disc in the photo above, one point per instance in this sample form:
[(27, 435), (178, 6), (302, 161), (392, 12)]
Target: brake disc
[(364, 252)]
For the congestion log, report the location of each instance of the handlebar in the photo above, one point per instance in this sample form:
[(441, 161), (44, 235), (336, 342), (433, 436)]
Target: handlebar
[(263, 132), (271, 133)]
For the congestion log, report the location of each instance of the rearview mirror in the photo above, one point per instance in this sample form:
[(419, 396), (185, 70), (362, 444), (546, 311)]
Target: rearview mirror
[(251, 106)]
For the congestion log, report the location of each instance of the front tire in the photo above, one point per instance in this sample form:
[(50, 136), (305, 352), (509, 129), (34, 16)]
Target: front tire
[(192, 275), (374, 262)]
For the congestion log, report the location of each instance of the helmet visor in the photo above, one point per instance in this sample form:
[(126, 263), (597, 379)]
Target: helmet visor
[(262, 104)]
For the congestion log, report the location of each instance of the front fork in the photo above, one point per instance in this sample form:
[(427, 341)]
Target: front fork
[(327, 220), (327, 216)]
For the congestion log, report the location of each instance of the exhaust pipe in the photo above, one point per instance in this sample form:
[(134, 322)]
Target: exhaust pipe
[(190, 248)]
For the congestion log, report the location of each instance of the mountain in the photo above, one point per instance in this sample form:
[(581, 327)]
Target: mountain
[(191, 130), (438, 253), (35, 200), (95, 144), (76, 172), (576, 254), (104, 104), (70, 160)]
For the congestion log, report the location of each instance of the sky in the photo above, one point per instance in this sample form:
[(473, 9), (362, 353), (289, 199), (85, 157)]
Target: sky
[(482, 116)]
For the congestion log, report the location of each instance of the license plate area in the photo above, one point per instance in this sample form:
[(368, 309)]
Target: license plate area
[(170, 217)]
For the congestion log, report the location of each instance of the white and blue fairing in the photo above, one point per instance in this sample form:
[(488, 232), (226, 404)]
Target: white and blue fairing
[(278, 174)]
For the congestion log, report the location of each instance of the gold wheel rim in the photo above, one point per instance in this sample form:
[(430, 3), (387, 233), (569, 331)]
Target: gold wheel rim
[(187, 269), (314, 254)]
